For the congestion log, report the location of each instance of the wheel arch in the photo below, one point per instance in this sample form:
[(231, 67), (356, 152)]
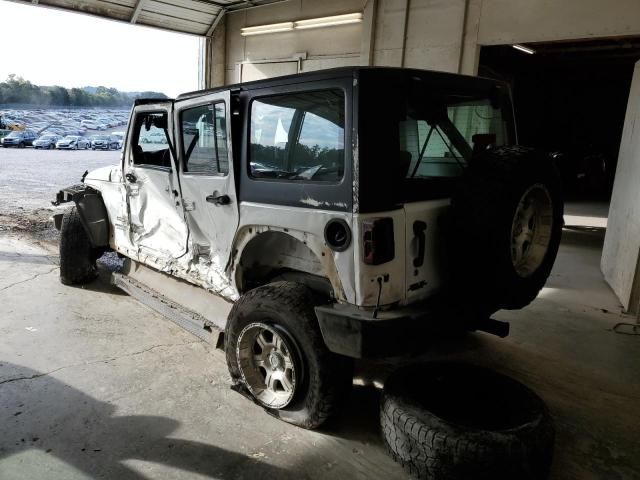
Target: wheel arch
[(263, 254), (91, 209)]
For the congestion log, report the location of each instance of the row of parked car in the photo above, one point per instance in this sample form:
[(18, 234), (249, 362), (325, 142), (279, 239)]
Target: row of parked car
[(64, 121), (27, 138)]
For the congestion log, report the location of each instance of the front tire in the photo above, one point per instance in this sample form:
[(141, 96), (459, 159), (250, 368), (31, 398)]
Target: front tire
[(274, 348), (77, 255)]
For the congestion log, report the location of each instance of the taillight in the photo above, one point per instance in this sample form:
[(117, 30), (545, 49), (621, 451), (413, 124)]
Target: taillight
[(377, 241)]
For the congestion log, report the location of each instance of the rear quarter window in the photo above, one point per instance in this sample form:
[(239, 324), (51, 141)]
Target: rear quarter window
[(298, 137)]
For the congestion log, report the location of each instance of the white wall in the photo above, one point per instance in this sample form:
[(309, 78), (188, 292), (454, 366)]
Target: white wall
[(432, 37), (521, 21), (433, 34), (622, 241), (324, 47)]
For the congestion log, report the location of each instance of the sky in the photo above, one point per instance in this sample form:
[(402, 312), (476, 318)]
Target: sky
[(52, 47)]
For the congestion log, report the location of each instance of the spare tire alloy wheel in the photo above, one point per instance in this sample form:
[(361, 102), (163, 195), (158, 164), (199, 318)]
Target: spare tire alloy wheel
[(267, 364), (505, 228), (531, 230)]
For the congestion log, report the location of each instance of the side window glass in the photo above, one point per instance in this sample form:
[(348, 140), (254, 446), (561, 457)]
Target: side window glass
[(150, 144), (298, 136), (204, 139)]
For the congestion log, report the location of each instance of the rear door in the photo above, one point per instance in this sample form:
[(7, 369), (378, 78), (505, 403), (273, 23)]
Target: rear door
[(437, 150), (156, 220), (207, 177)]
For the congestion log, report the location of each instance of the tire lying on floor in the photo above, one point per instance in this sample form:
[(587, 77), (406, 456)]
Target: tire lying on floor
[(506, 224), (274, 350), (77, 255), (450, 421)]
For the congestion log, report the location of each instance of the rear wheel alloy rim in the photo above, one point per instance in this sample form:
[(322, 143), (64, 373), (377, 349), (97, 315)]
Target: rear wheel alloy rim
[(267, 365), (531, 230)]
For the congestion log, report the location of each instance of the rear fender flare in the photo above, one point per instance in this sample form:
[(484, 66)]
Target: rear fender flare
[(313, 243)]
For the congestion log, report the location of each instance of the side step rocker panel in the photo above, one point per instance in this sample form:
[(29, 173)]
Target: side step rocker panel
[(189, 320)]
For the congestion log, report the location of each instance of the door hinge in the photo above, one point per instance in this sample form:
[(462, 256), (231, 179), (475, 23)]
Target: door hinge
[(188, 205)]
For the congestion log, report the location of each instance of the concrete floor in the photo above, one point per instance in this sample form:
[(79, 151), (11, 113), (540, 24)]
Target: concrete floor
[(95, 385)]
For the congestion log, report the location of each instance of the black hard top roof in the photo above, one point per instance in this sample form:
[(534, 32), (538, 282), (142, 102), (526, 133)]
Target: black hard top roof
[(369, 73)]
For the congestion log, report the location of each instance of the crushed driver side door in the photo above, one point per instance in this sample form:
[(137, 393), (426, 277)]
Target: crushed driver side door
[(158, 229)]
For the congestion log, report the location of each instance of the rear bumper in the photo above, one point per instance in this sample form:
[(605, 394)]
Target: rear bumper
[(348, 330)]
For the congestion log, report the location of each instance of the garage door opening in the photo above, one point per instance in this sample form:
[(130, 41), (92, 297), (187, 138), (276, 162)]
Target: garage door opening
[(570, 98)]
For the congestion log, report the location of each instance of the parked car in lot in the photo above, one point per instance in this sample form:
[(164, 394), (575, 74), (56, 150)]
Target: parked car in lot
[(120, 137), (89, 125), (46, 141), (73, 142), (154, 137), (104, 142), (19, 139)]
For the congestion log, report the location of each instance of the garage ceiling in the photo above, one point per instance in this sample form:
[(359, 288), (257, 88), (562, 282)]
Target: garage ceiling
[(197, 17)]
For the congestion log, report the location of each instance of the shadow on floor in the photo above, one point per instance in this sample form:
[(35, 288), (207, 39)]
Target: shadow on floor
[(13, 258), (84, 433)]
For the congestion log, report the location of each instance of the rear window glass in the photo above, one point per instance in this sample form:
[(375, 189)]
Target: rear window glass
[(439, 146), (298, 137)]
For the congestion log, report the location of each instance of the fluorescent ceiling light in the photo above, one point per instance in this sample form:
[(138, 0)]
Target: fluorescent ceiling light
[(273, 28), (329, 21), (303, 24), (524, 49)]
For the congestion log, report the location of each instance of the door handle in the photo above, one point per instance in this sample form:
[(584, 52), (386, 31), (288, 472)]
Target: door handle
[(131, 178), (218, 200), (418, 230)]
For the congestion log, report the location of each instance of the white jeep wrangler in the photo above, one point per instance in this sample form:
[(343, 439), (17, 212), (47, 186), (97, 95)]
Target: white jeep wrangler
[(322, 217)]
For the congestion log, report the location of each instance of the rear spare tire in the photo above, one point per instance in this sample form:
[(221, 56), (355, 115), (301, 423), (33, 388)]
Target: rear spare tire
[(275, 351), (506, 226), (77, 255), (450, 421)]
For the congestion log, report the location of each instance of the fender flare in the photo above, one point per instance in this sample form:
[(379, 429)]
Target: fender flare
[(92, 211), (315, 245)]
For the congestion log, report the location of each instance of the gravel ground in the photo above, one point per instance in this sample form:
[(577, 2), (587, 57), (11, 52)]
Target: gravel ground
[(30, 179)]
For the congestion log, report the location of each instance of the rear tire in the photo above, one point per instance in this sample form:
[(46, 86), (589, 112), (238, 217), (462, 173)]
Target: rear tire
[(77, 255), (320, 378), (506, 227)]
